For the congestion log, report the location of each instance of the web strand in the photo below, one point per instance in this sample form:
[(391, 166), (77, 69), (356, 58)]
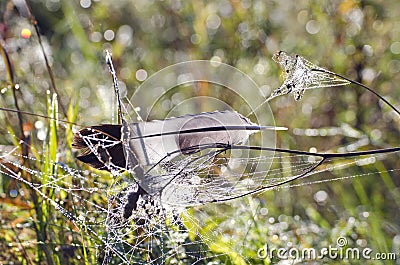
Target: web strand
[(135, 226)]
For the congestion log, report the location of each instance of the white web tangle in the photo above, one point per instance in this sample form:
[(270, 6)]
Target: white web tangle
[(300, 75), (155, 233), (169, 222)]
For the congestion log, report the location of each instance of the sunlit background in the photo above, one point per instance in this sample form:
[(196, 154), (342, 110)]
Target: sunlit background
[(358, 39)]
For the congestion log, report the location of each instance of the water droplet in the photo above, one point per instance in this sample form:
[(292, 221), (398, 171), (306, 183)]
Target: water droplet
[(95, 36), (109, 35), (13, 193), (141, 75), (320, 196), (312, 27), (85, 3), (395, 47), (213, 21), (195, 39)]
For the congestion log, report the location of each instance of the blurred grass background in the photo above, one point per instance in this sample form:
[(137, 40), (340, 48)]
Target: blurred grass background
[(359, 39)]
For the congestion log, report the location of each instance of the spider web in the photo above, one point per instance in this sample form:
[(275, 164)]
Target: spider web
[(164, 228), (113, 222), (299, 75)]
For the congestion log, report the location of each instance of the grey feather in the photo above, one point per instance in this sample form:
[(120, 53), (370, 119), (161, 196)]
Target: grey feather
[(128, 145), (194, 130)]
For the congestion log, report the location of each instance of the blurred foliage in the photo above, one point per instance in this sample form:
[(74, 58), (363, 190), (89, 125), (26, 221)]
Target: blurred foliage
[(359, 39)]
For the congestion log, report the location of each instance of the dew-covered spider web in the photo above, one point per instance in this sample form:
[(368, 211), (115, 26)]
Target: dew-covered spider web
[(299, 75), (201, 205)]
